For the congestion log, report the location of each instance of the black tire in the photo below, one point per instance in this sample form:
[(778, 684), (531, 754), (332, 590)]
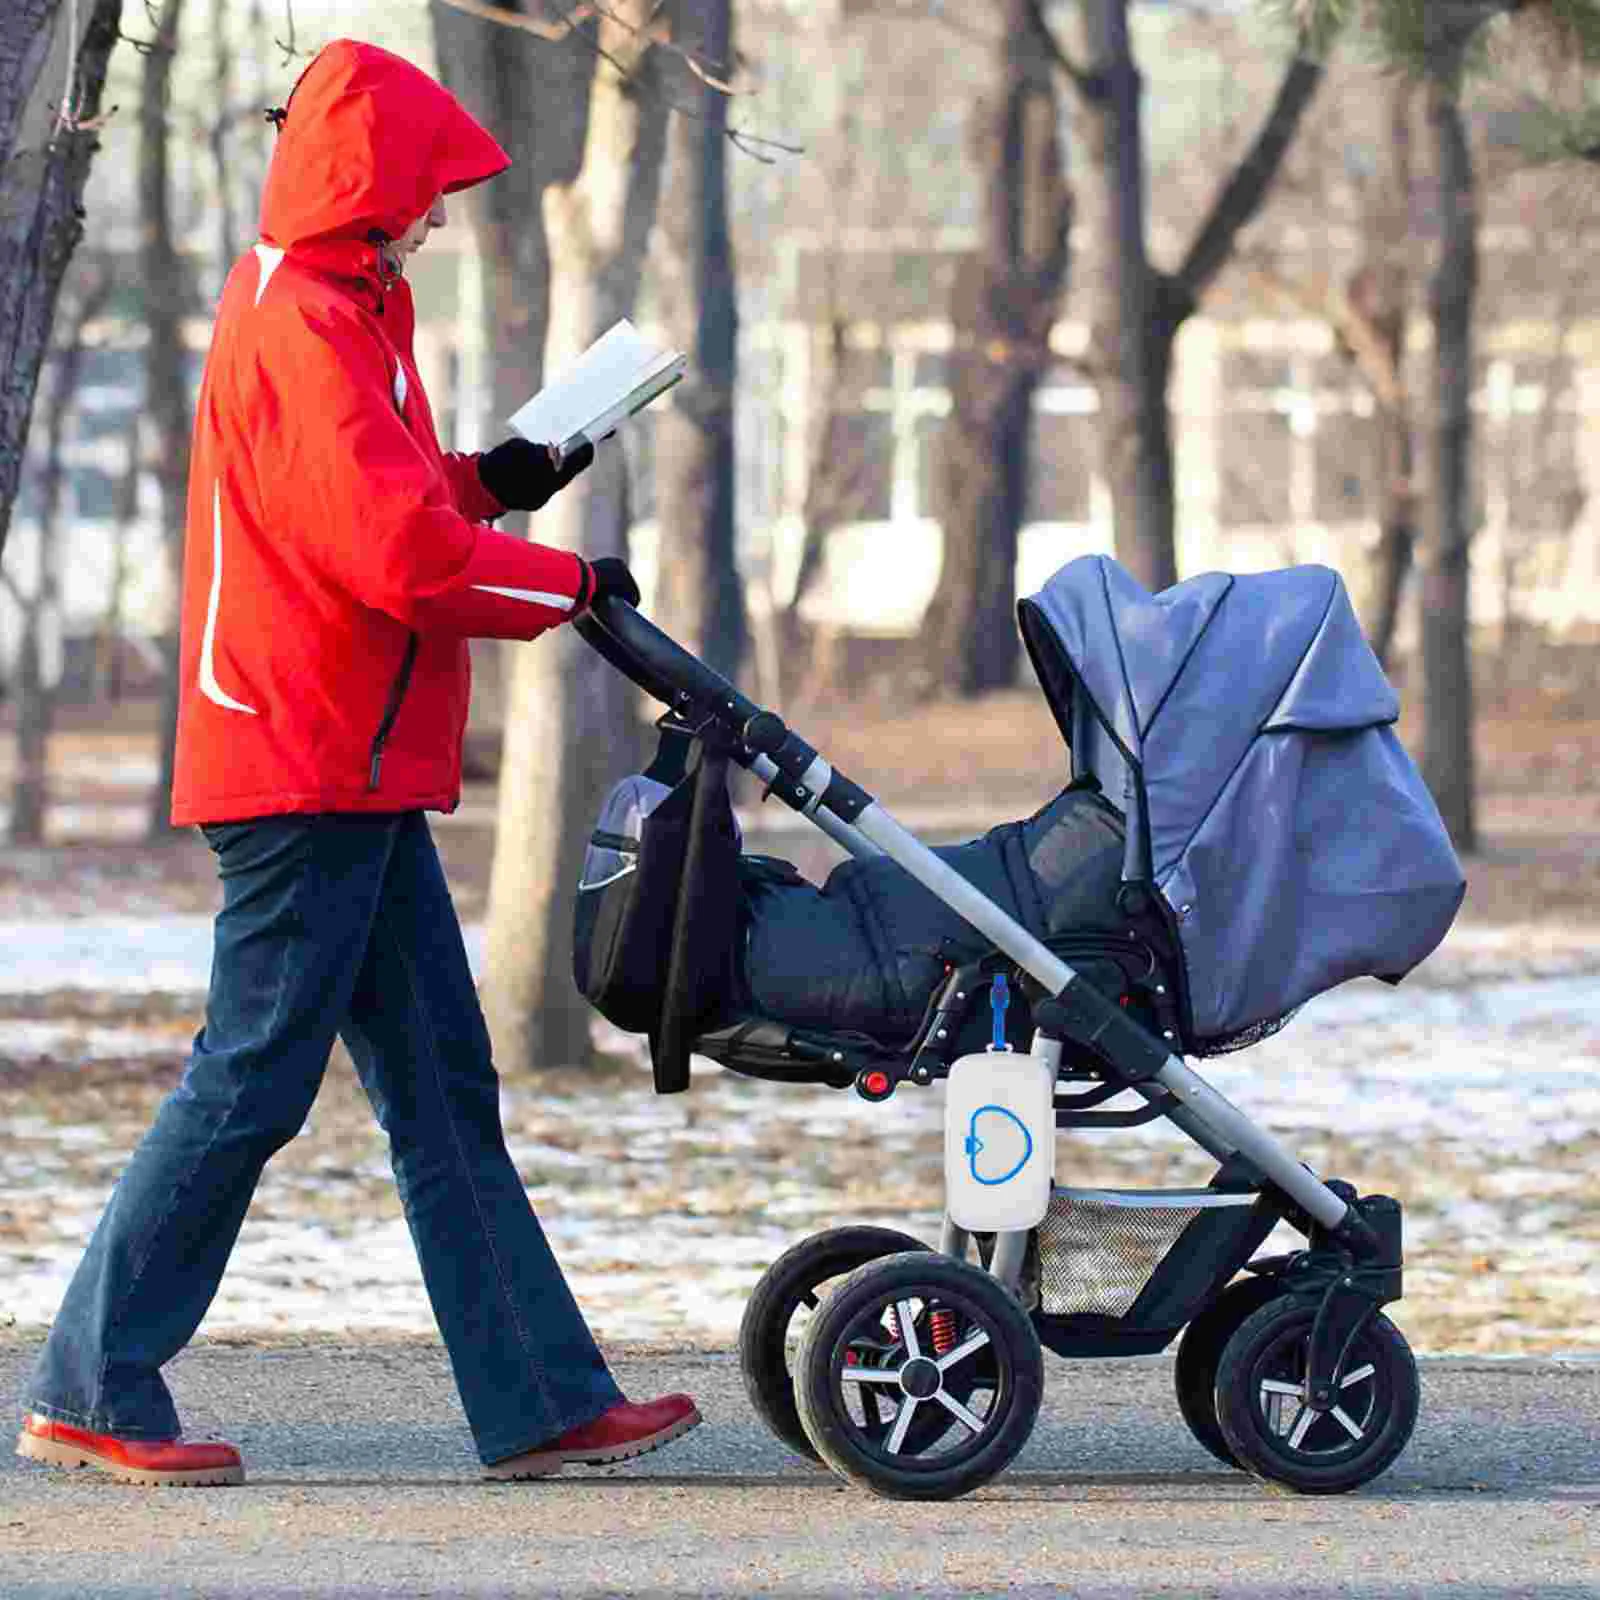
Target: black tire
[(862, 1329), (1200, 1351), (1315, 1454), (767, 1331)]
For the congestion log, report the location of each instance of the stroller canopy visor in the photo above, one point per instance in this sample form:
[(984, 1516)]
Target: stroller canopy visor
[(1242, 724)]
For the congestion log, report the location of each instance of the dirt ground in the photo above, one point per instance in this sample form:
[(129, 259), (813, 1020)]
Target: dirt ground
[(1506, 1232)]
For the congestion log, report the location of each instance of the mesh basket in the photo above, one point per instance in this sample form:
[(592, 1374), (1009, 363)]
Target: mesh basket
[(1099, 1247)]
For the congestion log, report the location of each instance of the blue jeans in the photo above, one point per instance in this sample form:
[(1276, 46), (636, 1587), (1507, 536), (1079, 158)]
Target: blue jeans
[(330, 925)]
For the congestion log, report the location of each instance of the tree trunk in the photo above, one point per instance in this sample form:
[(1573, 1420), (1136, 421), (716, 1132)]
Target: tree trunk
[(1135, 446), (31, 791), (109, 663), (499, 73), (166, 299), (838, 467), (699, 594), (832, 473), (1397, 531), (837, 472), (44, 164), (1381, 300), (1003, 304), (253, 150), (220, 139), (1447, 754), (35, 697), (1135, 312), (569, 728)]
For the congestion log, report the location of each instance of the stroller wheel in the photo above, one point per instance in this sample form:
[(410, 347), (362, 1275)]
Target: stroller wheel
[(1200, 1350), (784, 1300), (1274, 1433), (920, 1377)]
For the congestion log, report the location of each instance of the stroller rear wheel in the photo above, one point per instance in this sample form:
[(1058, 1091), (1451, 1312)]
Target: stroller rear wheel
[(788, 1294), (920, 1377), (1194, 1375), (1262, 1401)]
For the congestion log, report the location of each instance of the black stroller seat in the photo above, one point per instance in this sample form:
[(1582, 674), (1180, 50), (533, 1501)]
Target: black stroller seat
[(865, 951)]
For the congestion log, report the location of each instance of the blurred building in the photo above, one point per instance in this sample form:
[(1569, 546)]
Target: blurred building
[(1273, 429), (1273, 426)]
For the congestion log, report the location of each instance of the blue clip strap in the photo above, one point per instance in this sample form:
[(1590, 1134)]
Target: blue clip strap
[(999, 999)]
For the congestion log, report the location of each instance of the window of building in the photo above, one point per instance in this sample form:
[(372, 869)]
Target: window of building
[(1256, 467), (1063, 465), (1543, 486), (1346, 446), (930, 466), (863, 458), (95, 493), (105, 367), (1255, 439)]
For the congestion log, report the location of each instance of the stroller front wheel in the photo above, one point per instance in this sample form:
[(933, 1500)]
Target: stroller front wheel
[(1263, 1405), (919, 1378), (784, 1299), (1194, 1374)]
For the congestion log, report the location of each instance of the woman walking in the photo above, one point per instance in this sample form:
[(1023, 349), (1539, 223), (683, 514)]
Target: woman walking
[(337, 562)]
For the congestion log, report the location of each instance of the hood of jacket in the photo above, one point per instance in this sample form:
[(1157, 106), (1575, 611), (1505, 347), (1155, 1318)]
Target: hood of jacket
[(368, 142)]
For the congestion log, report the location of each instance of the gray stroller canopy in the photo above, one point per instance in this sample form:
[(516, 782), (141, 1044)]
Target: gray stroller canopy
[(1242, 724)]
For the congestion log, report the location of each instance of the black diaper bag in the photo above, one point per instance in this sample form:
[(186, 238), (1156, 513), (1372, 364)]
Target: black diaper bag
[(656, 915)]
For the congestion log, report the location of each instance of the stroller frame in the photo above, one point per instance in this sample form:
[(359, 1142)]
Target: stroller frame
[(1353, 1263)]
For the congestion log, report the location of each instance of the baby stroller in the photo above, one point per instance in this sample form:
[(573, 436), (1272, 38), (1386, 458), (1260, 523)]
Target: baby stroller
[(1242, 830)]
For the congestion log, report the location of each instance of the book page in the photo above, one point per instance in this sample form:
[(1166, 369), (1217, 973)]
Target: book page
[(602, 385)]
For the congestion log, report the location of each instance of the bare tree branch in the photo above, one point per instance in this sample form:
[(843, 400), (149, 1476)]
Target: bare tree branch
[(570, 20), (1242, 195), (288, 46), (654, 29), (652, 35), (14, 589), (1352, 327), (1080, 79), (539, 27)]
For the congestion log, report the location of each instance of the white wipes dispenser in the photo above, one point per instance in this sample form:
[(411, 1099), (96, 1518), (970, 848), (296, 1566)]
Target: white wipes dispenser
[(999, 1135)]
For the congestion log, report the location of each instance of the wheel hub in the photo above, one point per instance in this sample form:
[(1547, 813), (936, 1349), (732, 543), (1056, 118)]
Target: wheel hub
[(920, 1378)]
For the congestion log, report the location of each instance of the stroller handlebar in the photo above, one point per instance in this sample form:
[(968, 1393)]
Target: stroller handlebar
[(667, 672), (660, 666)]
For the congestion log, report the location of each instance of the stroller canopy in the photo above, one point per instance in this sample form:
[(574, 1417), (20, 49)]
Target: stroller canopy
[(1242, 724)]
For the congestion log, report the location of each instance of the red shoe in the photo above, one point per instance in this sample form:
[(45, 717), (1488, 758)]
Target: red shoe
[(615, 1435), (161, 1461)]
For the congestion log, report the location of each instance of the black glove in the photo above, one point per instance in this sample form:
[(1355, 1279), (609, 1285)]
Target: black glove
[(521, 475), (610, 575)]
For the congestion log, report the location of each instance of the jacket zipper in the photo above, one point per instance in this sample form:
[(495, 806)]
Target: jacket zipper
[(397, 693)]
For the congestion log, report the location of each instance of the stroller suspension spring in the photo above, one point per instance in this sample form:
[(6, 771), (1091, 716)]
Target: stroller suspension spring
[(943, 1328)]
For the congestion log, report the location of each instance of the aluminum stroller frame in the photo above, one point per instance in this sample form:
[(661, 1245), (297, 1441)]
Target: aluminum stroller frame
[(1291, 1372)]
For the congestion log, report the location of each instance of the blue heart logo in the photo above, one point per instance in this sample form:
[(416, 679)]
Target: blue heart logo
[(1003, 1134)]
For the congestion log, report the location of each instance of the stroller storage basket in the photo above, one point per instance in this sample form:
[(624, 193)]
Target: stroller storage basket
[(1099, 1248)]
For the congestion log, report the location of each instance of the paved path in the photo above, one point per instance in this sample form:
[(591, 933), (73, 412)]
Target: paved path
[(363, 1485)]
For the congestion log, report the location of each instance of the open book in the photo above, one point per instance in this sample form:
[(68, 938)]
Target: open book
[(619, 374)]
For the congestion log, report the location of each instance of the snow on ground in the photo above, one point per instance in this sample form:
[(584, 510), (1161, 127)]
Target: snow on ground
[(1472, 1092)]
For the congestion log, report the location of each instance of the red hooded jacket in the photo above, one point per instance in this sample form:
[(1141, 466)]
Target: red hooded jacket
[(337, 559)]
